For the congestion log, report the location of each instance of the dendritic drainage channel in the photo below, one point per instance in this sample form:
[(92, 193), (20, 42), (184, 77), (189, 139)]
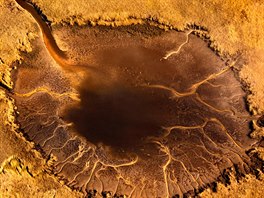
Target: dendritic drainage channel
[(132, 110)]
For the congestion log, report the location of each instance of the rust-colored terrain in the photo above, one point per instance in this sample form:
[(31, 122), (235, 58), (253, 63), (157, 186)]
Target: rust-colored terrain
[(133, 110)]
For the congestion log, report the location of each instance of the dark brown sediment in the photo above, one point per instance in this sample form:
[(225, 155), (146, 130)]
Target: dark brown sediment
[(146, 127)]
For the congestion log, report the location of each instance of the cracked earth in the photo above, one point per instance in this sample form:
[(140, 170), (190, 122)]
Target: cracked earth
[(125, 112)]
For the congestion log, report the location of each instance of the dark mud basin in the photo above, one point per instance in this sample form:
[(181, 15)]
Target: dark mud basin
[(129, 122)]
